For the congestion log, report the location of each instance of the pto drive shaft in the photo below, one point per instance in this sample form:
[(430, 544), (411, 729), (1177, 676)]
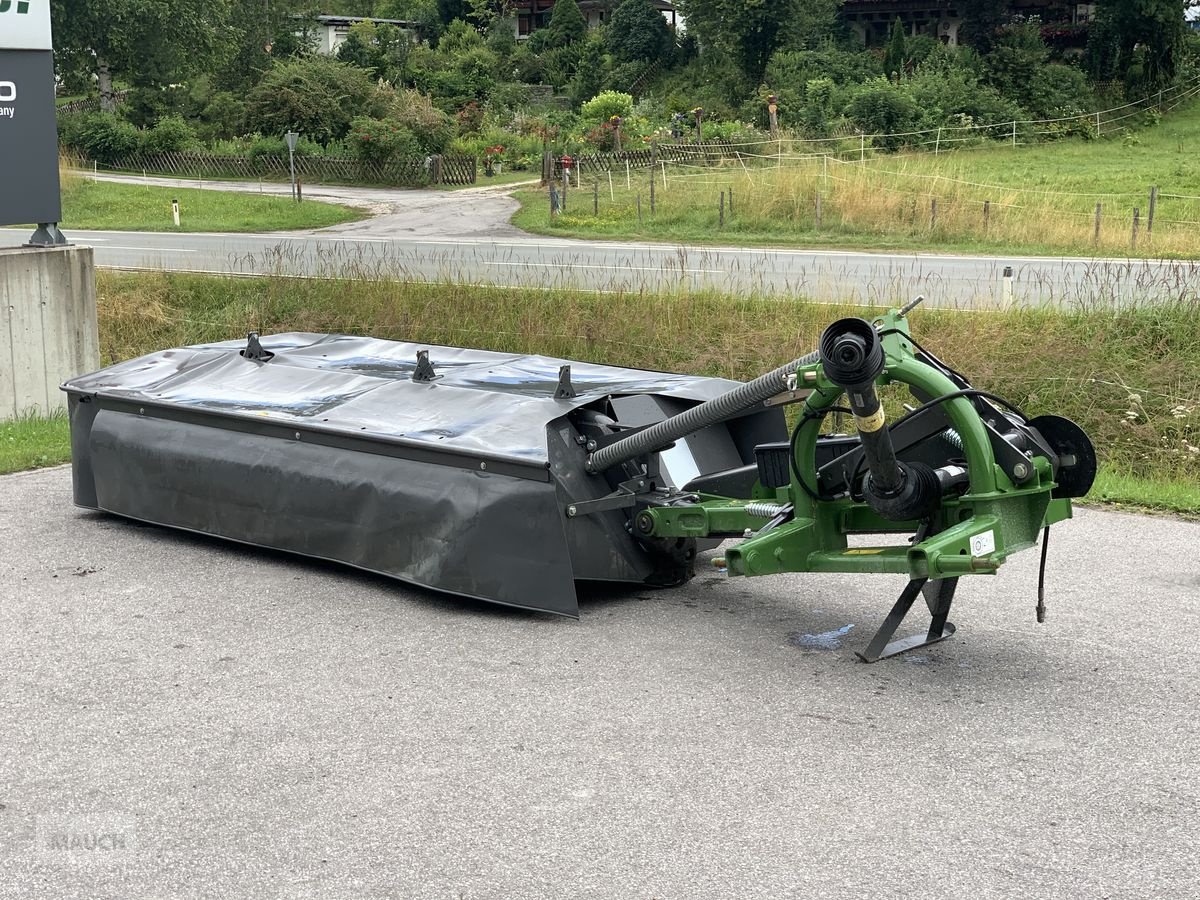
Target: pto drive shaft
[(852, 357)]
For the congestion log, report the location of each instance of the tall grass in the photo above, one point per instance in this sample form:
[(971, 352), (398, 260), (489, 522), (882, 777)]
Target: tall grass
[(1040, 198), (900, 202), (1131, 377)]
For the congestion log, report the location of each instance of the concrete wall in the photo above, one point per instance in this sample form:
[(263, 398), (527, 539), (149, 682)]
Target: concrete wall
[(47, 326)]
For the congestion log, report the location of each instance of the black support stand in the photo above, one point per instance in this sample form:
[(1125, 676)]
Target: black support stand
[(939, 595)]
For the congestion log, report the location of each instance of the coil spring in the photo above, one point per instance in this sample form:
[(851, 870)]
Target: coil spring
[(761, 509)]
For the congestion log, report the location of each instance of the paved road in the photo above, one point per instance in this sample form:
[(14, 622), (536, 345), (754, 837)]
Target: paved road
[(243, 724), (465, 236)]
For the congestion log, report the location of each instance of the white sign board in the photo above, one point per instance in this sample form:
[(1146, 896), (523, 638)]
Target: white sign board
[(25, 25)]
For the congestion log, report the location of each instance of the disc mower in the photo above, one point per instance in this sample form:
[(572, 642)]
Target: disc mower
[(510, 478)]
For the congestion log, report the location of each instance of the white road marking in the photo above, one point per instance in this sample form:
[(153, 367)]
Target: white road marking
[(151, 249), (665, 268)]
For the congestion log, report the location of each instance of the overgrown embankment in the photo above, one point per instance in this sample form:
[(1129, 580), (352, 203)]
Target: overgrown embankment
[(1131, 378)]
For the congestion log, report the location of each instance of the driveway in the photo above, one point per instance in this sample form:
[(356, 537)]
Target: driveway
[(186, 718)]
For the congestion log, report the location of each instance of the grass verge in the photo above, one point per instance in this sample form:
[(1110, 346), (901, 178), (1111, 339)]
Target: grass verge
[(107, 206), (32, 442), (1130, 378), (1115, 488)]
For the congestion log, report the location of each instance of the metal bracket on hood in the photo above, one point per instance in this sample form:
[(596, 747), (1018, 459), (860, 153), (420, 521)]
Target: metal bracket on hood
[(424, 372), (565, 390), (255, 350)]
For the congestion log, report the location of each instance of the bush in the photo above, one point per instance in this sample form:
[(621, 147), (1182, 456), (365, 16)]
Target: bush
[(381, 140), (947, 92), (416, 112), (169, 135), (106, 138), (277, 147), (1057, 91), (592, 73), (476, 70), (604, 106), (224, 115), (883, 109), (459, 38), (319, 97), (819, 105), (144, 106), (527, 66), (509, 99), (561, 64)]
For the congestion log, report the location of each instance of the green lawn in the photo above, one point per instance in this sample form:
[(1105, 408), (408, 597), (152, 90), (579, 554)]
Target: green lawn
[(31, 443), (1041, 199), (1146, 493), (106, 206)]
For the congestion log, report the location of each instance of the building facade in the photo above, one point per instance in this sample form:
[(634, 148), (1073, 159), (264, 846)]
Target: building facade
[(871, 20)]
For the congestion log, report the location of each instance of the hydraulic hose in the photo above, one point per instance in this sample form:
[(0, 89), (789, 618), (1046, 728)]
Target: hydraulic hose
[(710, 412)]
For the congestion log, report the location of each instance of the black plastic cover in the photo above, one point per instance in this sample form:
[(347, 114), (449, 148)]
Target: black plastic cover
[(330, 449)]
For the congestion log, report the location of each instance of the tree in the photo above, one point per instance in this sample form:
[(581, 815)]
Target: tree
[(982, 20), (637, 32), (591, 73), (567, 24), (894, 55), (750, 31), (483, 14), (1150, 33), (1017, 57), (319, 97), (380, 49), (424, 13), (146, 43), (259, 33)]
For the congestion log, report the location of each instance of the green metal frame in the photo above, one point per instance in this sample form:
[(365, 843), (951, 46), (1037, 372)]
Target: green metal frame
[(970, 535)]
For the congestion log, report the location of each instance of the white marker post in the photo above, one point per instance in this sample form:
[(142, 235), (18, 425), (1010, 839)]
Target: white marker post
[(292, 138), (175, 211)]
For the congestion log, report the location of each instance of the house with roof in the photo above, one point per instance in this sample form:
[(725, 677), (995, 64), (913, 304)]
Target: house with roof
[(871, 20), (530, 15), (331, 31)]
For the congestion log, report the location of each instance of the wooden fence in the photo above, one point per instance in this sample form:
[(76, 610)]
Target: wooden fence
[(89, 104), (439, 169), (706, 153)]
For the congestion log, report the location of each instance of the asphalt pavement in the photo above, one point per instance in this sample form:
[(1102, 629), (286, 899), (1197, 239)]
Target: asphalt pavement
[(186, 718), (465, 236)]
